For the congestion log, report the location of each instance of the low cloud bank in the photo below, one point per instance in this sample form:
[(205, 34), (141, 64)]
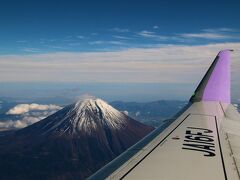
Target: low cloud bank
[(26, 121), (29, 114), (24, 108)]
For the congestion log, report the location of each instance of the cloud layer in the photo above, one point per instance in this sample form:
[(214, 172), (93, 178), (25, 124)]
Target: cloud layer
[(161, 64)]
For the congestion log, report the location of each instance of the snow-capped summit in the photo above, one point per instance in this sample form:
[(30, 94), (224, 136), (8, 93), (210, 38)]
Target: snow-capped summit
[(83, 117), (91, 112), (97, 106), (72, 143)]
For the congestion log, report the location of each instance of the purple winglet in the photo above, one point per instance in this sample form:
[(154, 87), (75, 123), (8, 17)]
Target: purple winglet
[(218, 85)]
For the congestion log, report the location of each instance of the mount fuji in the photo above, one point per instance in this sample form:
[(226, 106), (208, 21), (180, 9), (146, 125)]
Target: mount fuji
[(73, 143)]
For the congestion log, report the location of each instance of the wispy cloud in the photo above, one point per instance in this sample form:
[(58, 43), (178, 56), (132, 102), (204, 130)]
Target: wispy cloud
[(147, 34), (75, 44), (56, 47), (206, 35), (46, 41), (106, 42), (214, 33), (220, 30), (80, 37), (69, 38), (121, 37), (120, 30), (151, 34), (31, 50), (21, 41), (96, 42)]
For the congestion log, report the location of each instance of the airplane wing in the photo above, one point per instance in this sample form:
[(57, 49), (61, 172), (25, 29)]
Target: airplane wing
[(201, 142)]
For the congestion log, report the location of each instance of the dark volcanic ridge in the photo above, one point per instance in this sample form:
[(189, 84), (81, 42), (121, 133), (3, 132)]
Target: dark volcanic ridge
[(73, 143)]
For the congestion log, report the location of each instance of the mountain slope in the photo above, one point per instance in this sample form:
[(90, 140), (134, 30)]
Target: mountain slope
[(70, 144)]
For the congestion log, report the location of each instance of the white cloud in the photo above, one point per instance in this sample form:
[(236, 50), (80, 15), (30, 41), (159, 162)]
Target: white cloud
[(17, 124), (125, 112), (96, 42), (206, 35), (137, 113), (80, 37), (75, 44), (150, 34), (21, 41), (120, 30), (146, 33), (62, 48), (213, 34), (224, 29), (29, 114), (106, 42), (85, 96), (163, 64), (31, 50), (24, 108), (94, 34), (155, 27), (121, 37)]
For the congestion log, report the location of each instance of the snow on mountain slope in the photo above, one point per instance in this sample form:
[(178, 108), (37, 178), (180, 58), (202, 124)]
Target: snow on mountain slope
[(85, 116)]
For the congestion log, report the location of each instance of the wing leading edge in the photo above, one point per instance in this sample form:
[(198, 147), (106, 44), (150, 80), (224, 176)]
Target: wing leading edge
[(193, 145)]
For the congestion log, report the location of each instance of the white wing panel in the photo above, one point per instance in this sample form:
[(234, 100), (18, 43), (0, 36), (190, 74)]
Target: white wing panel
[(195, 142), (192, 147)]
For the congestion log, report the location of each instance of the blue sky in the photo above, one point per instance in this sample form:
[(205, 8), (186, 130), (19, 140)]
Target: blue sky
[(167, 43), (79, 26)]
